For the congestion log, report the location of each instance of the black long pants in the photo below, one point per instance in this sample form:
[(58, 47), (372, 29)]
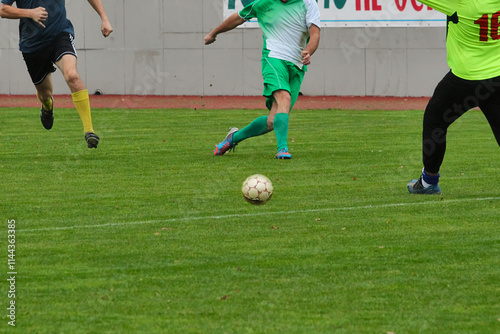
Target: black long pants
[(452, 97)]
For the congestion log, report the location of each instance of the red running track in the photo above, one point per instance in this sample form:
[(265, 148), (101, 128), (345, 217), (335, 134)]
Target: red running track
[(223, 102)]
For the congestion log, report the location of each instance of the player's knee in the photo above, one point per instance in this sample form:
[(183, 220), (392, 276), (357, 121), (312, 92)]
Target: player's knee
[(44, 94), (283, 96), (73, 78), (284, 101)]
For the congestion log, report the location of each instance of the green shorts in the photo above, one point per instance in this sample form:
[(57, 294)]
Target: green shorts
[(281, 74)]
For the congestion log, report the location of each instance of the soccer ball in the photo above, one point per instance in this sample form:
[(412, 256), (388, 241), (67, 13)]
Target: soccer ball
[(257, 189)]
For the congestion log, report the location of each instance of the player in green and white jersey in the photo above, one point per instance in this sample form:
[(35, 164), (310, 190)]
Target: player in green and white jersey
[(473, 47), (291, 32)]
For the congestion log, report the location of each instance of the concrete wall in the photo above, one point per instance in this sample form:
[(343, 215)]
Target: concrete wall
[(157, 48)]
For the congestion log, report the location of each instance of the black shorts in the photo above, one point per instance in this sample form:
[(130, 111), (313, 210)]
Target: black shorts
[(42, 62)]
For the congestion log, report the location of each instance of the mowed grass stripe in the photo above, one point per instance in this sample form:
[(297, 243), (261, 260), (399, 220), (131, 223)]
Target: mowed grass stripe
[(173, 220)]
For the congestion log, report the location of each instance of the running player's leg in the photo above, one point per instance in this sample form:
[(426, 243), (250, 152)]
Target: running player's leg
[(40, 67), (276, 120), (289, 97), (67, 65), (451, 99), (44, 94), (276, 76), (279, 118), (66, 60), (256, 128), (262, 124)]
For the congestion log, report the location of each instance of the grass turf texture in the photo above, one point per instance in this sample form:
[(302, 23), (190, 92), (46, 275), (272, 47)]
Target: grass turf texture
[(150, 234)]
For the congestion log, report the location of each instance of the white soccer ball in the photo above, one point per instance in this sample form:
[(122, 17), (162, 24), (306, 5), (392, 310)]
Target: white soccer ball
[(257, 189)]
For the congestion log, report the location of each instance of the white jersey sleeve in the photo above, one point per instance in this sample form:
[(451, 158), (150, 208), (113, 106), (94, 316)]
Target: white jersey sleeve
[(312, 16)]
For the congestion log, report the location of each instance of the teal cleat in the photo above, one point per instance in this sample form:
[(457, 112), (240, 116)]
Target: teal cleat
[(227, 143), (283, 154), (416, 187)]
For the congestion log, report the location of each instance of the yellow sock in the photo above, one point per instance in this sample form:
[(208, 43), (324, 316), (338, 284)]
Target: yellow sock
[(82, 105), (47, 105)]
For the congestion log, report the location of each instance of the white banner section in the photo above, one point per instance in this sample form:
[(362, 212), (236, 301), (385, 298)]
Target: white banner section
[(362, 13)]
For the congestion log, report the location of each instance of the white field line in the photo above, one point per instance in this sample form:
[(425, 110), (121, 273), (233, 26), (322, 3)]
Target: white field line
[(174, 220)]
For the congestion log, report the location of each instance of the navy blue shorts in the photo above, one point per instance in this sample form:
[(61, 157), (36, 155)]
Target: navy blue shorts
[(41, 63)]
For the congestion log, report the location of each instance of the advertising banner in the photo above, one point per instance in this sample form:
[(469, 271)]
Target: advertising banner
[(362, 13)]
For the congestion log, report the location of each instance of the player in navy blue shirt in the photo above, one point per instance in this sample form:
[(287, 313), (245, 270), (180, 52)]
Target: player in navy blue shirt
[(46, 37)]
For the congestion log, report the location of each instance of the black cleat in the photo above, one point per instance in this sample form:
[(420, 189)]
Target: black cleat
[(92, 139), (47, 117)]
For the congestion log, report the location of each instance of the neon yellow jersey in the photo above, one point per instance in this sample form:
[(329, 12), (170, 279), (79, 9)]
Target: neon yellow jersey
[(473, 45)]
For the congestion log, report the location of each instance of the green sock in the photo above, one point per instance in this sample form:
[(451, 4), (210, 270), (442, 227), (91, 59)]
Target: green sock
[(281, 129), (256, 128)]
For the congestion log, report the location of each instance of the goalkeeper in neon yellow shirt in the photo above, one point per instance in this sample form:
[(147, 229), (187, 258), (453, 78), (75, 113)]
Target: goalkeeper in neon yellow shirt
[(47, 39), (291, 32), (473, 47)]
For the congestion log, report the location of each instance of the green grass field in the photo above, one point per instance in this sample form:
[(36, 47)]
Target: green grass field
[(150, 234)]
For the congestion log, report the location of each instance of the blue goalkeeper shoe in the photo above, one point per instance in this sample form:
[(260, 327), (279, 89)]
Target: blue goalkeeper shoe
[(416, 187), (227, 143), (283, 154)]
